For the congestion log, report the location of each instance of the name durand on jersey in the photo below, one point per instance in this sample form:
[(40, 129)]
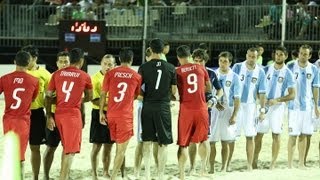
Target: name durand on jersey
[(123, 85), (19, 90), (157, 76), (69, 84), (192, 80)]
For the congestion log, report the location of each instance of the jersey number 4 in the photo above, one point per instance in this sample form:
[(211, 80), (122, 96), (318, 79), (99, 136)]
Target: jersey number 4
[(15, 97), (67, 91)]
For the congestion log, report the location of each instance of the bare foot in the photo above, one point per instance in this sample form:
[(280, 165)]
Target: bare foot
[(191, 172), (249, 167), (254, 165), (228, 169), (272, 166), (107, 175), (301, 166)]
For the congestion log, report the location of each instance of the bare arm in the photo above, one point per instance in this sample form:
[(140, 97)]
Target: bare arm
[(48, 104), (101, 107), (87, 95), (236, 104), (290, 96), (315, 92)]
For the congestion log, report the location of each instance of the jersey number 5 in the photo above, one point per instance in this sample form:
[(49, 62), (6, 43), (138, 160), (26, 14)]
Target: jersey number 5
[(15, 97), (193, 81), (123, 88), (67, 91)]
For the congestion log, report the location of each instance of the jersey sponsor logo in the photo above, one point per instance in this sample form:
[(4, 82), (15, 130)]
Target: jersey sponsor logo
[(186, 69), (123, 75), (280, 80), (69, 74), (158, 64), (254, 80)]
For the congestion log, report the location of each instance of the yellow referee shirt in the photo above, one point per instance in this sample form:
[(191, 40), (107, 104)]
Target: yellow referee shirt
[(97, 80)]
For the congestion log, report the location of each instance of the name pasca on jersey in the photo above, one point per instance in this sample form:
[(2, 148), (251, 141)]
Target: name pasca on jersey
[(123, 75)]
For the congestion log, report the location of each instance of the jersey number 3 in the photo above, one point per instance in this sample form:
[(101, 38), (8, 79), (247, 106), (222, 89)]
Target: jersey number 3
[(123, 88), (15, 97)]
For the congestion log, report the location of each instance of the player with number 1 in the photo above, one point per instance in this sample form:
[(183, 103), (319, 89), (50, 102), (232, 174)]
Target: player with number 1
[(69, 84)]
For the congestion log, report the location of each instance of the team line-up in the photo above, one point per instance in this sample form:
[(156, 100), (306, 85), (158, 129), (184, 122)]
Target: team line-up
[(215, 105)]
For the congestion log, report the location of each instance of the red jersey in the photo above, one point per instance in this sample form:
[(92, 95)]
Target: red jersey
[(122, 85), (191, 79), (69, 84), (19, 90)]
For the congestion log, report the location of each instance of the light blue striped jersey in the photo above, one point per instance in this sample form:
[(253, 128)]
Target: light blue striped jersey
[(230, 83), (305, 78), (252, 82), (278, 81)]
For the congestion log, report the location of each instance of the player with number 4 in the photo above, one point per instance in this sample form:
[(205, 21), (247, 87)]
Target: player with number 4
[(69, 84)]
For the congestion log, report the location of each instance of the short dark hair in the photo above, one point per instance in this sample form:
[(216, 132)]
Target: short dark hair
[(283, 49), (200, 53), (294, 53), (156, 45), (75, 55), (252, 49), (183, 51), (319, 52), (34, 52), (22, 58), (166, 43), (203, 46), (226, 54), (126, 55), (62, 53)]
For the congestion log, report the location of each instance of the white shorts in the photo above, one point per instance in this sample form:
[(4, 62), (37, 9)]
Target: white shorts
[(139, 127), (300, 122), (220, 127), (247, 120), (274, 119)]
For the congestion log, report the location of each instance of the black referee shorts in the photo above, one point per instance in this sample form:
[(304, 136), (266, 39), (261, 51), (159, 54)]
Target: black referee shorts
[(99, 133)]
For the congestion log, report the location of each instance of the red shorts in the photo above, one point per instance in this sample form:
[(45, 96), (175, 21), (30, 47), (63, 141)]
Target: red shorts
[(69, 124), (21, 126), (121, 129), (192, 126)]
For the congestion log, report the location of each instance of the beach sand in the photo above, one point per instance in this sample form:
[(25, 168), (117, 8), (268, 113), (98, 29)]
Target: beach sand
[(81, 167)]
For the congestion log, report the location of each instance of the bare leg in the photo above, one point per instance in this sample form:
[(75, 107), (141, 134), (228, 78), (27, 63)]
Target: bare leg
[(47, 161), (257, 149), (94, 159), (231, 149), (275, 149), (224, 155), (35, 160), (66, 165), (106, 159), (118, 160), (291, 147), (182, 158), (192, 156), (250, 152), (204, 148), (155, 147), (212, 158), (302, 143), (307, 149), (137, 160), (123, 166), (22, 170), (162, 159), (147, 157)]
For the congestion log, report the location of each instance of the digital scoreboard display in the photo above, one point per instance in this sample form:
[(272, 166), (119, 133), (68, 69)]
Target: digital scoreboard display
[(87, 35)]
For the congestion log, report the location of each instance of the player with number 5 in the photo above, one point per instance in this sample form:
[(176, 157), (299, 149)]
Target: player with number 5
[(69, 84)]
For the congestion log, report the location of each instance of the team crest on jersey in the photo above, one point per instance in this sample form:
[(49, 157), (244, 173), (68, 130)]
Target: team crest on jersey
[(308, 76), (254, 80), (280, 80), (228, 83)]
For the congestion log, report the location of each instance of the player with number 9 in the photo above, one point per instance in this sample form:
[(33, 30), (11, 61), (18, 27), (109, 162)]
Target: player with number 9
[(69, 84), (19, 89), (122, 85)]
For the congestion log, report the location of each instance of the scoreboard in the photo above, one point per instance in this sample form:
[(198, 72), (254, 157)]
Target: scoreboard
[(87, 35)]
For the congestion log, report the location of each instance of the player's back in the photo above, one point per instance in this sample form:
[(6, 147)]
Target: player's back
[(123, 85), (158, 76), (69, 84), (19, 90), (191, 81)]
